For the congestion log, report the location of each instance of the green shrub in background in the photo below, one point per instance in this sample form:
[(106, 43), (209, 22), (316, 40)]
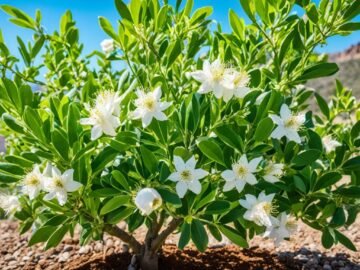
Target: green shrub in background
[(202, 132)]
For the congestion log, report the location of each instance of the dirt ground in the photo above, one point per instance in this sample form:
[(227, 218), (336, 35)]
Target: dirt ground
[(304, 251)]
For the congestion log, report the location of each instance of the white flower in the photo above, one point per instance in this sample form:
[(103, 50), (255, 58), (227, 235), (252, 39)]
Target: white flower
[(148, 200), (214, 77), (149, 106), (258, 209), (104, 116), (33, 183), (281, 227), (58, 185), (330, 144), (273, 172), (242, 172), (83, 74), (9, 203), (287, 124), (109, 99), (239, 82), (186, 176), (107, 45)]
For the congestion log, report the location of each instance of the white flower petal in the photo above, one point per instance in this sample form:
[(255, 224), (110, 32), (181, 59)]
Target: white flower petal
[(179, 163), (285, 112), (96, 132), (175, 177), (200, 173), (181, 188), (195, 186), (250, 179), (254, 163), (72, 186), (228, 175), (239, 185), (229, 185)]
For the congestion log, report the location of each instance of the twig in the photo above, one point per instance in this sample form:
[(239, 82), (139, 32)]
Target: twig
[(160, 239), (124, 236)]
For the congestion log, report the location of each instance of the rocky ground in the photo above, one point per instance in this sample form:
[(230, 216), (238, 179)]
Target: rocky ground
[(302, 252)]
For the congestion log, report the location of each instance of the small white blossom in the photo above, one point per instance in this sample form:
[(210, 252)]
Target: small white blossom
[(242, 172), (33, 183), (109, 99), (104, 116), (83, 74), (330, 144), (214, 77), (9, 203), (107, 45), (281, 227), (239, 82), (273, 172), (287, 124), (148, 200), (58, 185), (186, 176), (149, 106), (258, 209)]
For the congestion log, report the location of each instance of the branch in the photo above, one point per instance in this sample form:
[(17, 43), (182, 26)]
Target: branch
[(124, 236), (160, 239)]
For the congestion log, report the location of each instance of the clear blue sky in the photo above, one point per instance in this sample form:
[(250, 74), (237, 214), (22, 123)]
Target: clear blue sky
[(86, 12)]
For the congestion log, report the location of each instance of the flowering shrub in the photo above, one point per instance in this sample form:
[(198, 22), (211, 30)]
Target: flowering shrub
[(201, 132)]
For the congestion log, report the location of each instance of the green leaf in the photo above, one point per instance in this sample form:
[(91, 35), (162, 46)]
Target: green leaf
[(263, 130), (306, 157), (169, 197), (217, 207), (248, 9), (175, 52), (34, 123), (338, 218), (121, 179), (123, 10), (8, 178), (107, 27), (105, 192), (12, 123), (319, 70), (60, 143), (299, 184), (237, 24), (351, 26), (345, 241), (114, 203), (212, 150), (326, 238), (228, 136), (120, 214), (349, 192), (149, 159), (184, 236), (41, 235), (327, 180), (233, 236), (11, 168), (352, 164), (312, 13), (72, 123), (12, 92), (188, 7), (57, 236), (323, 105), (199, 235)]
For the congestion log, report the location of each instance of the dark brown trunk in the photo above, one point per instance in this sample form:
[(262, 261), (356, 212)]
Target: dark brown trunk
[(149, 261)]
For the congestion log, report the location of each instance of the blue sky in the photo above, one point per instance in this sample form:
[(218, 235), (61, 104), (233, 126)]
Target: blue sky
[(85, 12)]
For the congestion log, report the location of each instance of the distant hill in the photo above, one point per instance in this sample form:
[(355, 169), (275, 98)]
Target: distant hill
[(349, 73)]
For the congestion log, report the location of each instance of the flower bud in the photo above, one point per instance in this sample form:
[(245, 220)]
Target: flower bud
[(148, 200), (107, 45)]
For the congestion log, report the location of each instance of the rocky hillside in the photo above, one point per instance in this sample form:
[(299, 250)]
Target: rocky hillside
[(349, 73)]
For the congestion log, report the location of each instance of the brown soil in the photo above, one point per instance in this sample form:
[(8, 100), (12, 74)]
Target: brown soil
[(300, 253)]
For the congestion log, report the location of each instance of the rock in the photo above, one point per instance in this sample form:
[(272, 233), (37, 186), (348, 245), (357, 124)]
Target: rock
[(110, 251), (109, 243), (327, 267), (301, 258), (64, 257), (26, 258), (98, 247), (68, 248), (84, 250), (42, 262)]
